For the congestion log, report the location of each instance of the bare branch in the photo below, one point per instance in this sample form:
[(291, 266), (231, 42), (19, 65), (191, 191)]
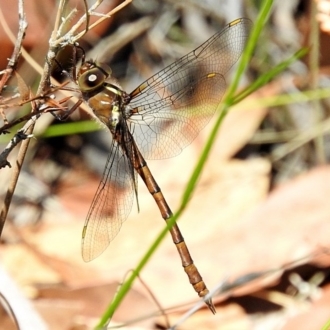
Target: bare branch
[(70, 37), (18, 137), (24, 135), (26, 131), (110, 13), (17, 43)]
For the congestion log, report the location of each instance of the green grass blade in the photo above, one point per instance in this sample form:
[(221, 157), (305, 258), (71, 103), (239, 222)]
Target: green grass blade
[(70, 128), (247, 54), (326, 326), (266, 77)]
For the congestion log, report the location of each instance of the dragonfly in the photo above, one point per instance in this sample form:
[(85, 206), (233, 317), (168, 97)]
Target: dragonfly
[(157, 120)]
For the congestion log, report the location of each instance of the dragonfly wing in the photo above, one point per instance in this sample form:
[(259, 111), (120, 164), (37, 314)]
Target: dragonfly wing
[(171, 107), (111, 204)]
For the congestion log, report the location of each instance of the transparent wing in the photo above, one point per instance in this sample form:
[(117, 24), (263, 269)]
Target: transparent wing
[(171, 107), (111, 204)]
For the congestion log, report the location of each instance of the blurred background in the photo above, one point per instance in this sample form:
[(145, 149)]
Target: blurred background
[(258, 223)]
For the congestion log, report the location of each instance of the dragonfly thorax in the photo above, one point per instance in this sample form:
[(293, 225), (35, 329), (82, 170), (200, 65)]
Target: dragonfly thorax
[(107, 106)]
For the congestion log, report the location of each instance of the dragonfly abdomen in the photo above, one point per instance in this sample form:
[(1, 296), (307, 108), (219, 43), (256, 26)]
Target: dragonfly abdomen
[(191, 270)]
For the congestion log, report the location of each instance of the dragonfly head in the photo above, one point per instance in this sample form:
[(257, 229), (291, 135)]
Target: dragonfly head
[(92, 76)]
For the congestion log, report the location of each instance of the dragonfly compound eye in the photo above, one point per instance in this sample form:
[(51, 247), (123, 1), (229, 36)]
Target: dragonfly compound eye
[(92, 79)]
